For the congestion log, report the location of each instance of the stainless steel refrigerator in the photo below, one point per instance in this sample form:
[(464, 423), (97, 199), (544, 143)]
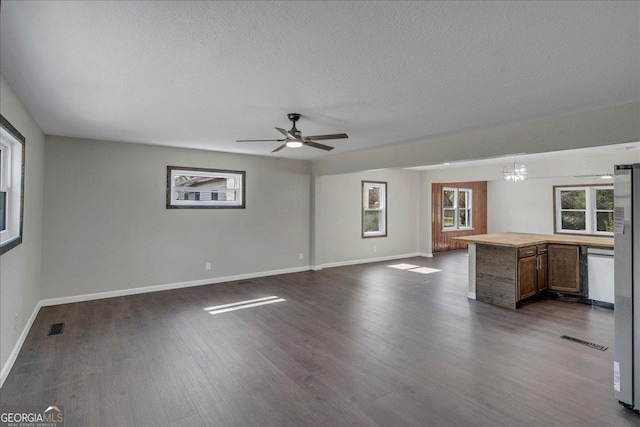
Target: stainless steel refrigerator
[(626, 223)]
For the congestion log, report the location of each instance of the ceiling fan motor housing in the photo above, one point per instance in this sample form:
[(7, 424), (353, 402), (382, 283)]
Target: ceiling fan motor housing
[(294, 117)]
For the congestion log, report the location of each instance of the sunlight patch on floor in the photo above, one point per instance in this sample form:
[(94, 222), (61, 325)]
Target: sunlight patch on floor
[(414, 268), (403, 266), (425, 270), (224, 308)]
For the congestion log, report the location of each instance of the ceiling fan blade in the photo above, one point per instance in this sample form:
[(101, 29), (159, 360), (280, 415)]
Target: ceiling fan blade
[(333, 136), (316, 145), (279, 148), (285, 133), (260, 140)]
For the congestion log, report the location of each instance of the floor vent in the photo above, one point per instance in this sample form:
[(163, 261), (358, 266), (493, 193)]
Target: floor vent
[(56, 329), (587, 343), (244, 282)]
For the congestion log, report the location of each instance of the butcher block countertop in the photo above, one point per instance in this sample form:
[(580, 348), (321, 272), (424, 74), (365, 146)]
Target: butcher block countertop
[(517, 240)]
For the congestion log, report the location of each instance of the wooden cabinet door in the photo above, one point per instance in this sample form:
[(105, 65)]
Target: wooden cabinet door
[(527, 283), (542, 272), (564, 268)]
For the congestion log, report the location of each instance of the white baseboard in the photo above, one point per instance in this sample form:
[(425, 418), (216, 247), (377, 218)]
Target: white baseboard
[(16, 348), (471, 295), (168, 286), (364, 261), (426, 254)]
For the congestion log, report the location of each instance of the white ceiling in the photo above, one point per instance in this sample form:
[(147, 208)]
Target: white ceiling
[(203, 74)]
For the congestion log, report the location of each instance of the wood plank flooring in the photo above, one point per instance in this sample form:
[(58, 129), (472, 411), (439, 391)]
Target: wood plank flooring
[(360, 345)]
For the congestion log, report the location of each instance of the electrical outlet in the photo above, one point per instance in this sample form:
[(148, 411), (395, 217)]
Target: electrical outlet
[(301, 256), (375, 249), (207, 266)]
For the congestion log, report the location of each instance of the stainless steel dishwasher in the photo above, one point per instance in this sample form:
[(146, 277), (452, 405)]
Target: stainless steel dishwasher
[(601, 275)]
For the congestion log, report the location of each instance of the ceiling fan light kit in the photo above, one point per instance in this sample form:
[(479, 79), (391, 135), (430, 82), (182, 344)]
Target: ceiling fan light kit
[(293, 138)]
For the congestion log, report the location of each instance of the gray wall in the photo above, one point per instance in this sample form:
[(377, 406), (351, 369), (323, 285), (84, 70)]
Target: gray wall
[(20, 267), (107, 229), (339, 217)]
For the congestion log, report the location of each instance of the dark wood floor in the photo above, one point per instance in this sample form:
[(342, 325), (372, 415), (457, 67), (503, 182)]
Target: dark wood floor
[(357, 345)]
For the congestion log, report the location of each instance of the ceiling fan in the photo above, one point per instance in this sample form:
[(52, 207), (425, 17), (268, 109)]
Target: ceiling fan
[(293, 138)]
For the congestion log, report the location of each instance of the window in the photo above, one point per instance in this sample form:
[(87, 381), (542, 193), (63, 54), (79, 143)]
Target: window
[(12, 145), (456, 208), (584, 210), (198, 188), (374, 209)]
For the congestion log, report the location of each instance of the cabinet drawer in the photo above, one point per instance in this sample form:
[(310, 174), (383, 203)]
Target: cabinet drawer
[(526, 252), (542, 249)]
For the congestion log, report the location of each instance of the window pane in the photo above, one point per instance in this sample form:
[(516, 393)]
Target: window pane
[(448, 218), (462, 219), (604, 221), (3, 211), (462, 199), (573, 221), (371, 221), (448, 198), (573, 199), (374, 198), (201, 182), (187, 195), (604, 199)]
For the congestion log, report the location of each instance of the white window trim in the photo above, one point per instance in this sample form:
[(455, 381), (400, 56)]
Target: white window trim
[(590, 210), (456, 209), (382, 229), (11, 183), (172, 190)]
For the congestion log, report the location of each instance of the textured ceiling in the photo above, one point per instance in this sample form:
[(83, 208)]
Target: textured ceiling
[(203, 74)]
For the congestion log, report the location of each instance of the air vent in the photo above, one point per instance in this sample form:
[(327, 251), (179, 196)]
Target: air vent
[(56, 329), (587, 343)]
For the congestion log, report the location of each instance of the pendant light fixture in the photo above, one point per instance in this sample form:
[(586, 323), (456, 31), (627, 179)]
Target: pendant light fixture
[(515, 172)]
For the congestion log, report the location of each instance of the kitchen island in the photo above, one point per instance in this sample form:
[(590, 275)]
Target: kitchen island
[(508, 269)]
